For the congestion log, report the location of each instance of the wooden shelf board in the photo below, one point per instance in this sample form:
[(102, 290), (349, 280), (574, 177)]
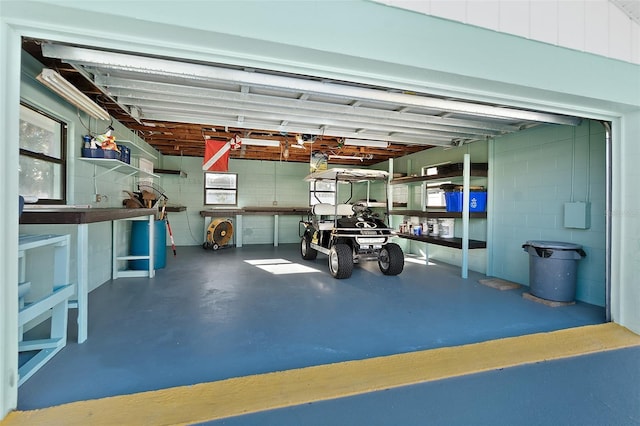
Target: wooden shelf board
[(477, 170), (448, 242), (170, 172), (438, 214)]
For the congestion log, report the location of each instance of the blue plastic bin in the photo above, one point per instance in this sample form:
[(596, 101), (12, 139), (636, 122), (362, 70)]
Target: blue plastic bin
[(477, 201), (140, 244)]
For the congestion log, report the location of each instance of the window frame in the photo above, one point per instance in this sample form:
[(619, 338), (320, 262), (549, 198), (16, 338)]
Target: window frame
[(233, 190), (62, 161)]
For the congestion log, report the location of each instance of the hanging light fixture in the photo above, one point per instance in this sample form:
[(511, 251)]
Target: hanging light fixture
[(260, 142), (366, 142), (351, 157), (68, 91)]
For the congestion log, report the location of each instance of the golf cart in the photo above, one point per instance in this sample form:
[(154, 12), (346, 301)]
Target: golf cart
[(348, 232)]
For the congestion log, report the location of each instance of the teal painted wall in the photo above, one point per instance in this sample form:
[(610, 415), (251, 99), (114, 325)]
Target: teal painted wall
[(260, 183), (535, 172)]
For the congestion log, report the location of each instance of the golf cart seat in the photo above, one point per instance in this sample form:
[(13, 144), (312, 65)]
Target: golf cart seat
[(325, 213)]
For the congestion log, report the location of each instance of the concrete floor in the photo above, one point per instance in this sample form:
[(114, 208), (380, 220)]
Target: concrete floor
[(214, 315)]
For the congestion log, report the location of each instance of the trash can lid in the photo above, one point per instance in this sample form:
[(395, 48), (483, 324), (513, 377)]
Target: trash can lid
[(557, 245)]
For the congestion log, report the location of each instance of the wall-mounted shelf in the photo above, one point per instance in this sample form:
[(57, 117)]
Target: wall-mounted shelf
[(137, 150), (113, 165), (180, 173), (175, 209)]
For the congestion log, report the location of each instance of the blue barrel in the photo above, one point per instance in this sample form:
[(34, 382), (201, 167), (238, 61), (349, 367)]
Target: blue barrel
[(140, 244)]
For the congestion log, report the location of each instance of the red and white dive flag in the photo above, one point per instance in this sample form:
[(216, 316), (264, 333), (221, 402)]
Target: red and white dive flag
[(216, 156)]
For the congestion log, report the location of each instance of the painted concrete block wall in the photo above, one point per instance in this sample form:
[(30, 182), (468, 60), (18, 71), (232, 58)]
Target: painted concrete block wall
[(594, 26), (260, 184), (535, 172), (187, 226)]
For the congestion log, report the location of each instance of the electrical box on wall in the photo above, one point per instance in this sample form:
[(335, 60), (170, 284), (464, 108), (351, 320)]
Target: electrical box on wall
[(577, 215)]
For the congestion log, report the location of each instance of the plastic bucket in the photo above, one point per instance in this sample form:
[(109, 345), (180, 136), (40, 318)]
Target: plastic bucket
[(446, 227), (140, 244), (433, 227)]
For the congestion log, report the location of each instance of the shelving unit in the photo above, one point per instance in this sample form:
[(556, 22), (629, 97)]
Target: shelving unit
[(55, 301), (465, 172), (120, 273)]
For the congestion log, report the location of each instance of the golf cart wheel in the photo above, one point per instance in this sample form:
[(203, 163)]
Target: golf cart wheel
[(205, 245), (340, 261), (215, 246), (306, 251), (391, 259)]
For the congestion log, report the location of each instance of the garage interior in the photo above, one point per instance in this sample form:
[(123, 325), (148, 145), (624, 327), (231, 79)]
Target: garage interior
[(213, 315)]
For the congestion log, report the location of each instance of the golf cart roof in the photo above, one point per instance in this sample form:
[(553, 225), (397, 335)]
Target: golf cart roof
[(347, 175)]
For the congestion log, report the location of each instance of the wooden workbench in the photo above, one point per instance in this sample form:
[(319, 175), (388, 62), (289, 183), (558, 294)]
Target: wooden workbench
[(238, 213), (82, 217)]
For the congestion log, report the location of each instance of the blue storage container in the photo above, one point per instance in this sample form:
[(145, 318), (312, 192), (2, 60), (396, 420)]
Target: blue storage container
[(477, 201), (93, 153), (140, 244), (125, 154)]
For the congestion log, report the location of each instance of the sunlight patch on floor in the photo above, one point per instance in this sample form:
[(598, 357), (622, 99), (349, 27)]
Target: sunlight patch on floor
[(417, 260), (280, 266)]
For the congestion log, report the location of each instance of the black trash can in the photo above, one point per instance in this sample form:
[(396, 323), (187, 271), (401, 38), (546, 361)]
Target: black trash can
[(552, 269)]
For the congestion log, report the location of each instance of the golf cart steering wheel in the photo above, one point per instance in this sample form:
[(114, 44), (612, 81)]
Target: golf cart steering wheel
[(362, 210)]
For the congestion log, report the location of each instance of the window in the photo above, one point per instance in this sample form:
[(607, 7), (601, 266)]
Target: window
[(322, 192), (220, 189), (42, 164)]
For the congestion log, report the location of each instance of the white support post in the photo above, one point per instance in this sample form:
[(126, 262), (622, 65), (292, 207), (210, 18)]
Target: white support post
[(465, 215), (61, 263), (238, 230), (82, 265), (275, 230), (152, 246), (390, 189), (114, 249)]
